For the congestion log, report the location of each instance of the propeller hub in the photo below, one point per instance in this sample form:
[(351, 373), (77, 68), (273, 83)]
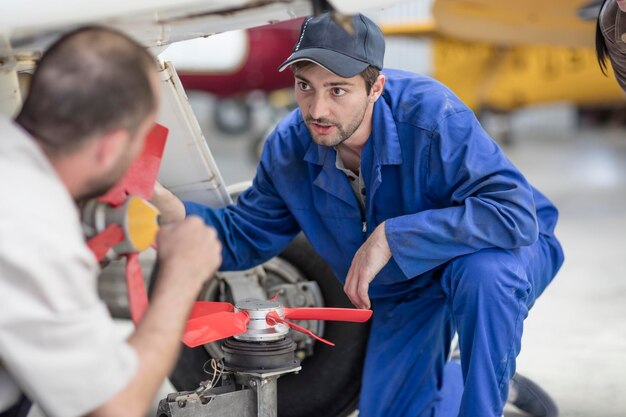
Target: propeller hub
[(278, 355), (136, 216), (258, 328)]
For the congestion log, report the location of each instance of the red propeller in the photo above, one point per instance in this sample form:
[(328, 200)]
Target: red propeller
[(211, 321), (133, 221), (199, 331)]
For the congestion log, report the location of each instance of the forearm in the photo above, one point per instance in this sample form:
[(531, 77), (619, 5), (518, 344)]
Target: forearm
[(157, 343), (371, 257), (250, 234), (425, 240)]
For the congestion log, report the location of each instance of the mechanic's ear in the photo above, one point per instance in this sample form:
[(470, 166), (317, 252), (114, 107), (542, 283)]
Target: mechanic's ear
[(109, 148), (377, 88)]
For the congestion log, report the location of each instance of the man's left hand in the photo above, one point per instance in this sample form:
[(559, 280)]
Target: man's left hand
[(371, 257)]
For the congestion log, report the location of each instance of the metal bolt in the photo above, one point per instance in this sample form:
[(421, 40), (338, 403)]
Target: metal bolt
[(300, 300)]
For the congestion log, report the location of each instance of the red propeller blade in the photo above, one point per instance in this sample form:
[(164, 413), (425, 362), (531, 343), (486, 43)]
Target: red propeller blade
[(273, 318), (140, 177), (212, 327), (204, 308), (137, 295), (101, 243), (331, 314)]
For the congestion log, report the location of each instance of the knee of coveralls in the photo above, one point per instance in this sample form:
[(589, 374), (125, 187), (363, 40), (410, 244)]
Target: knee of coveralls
[(409, 342), (546, 263), (488, 292)]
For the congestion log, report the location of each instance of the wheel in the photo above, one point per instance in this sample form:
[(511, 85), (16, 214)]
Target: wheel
[(330, 379), (232, 116), (530, 398)]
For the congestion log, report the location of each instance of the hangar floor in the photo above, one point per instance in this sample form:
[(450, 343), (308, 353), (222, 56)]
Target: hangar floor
[(575, 337)]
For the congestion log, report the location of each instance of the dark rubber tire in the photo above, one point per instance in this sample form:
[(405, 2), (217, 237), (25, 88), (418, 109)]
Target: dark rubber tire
[(330, 380), (532, 399)]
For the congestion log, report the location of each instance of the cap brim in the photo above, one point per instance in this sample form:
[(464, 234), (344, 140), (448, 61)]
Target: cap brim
[(335, 62)]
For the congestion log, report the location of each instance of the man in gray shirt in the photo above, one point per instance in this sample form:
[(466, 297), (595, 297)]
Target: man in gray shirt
[(92, 101)]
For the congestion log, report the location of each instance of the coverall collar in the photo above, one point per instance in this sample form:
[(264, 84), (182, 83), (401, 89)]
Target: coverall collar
[(382, 148)]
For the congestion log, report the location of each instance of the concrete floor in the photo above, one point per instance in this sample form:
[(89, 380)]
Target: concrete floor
[(575, 337)]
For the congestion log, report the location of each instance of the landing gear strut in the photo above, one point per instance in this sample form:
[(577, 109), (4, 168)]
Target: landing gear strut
[(239, 392), (244, 383)]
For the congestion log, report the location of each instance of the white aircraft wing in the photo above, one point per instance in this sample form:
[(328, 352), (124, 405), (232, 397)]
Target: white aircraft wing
[(27, 27)]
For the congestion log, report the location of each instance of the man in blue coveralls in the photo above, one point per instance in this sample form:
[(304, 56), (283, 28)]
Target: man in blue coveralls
[(417, 210)]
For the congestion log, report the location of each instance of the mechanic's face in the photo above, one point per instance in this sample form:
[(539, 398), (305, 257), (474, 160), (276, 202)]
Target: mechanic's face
[(134, 145), (132, 148), (332, 107)]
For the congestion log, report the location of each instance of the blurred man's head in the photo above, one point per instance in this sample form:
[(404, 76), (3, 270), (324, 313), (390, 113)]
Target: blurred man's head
[(338, 77), (94, 95)]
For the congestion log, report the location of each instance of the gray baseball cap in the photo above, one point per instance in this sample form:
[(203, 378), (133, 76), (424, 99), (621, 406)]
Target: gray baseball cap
[(327, 44)]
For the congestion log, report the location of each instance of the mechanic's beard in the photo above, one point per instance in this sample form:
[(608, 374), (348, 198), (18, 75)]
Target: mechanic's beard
[(343, 134), (99, 186)]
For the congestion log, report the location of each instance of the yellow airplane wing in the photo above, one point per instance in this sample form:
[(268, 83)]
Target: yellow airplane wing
[(554, 22), (507, 55), (508, 78)]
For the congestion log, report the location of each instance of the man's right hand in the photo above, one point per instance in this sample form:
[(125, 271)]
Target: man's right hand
[(189, 253), (188, 249)]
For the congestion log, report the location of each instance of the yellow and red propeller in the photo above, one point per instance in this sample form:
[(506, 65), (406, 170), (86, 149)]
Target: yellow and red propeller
[(124, 223)]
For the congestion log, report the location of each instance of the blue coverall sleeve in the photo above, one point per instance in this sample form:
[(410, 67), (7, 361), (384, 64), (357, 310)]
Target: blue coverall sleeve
[(482, 201), (255, 229)]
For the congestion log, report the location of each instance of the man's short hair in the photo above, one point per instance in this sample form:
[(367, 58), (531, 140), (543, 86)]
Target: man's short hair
[(369, 74), (91, 81)]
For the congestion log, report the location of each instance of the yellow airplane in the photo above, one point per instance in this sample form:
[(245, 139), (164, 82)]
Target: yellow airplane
[(506, 55)]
